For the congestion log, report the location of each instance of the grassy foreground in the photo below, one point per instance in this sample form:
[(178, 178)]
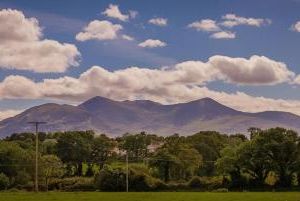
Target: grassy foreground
[(159, 196)]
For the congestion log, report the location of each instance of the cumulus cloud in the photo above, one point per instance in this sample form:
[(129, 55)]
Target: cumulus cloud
[(4, 114), (231, 20), (159, 21), (223, 35), (228, 21), (207, 25), (182, 82), (179, 84), (296, 27), (151, 43), (22, 46), (113, 11), (99, 30), (255, 70)]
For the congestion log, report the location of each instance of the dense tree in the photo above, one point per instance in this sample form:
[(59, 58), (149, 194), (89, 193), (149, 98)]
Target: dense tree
[(272, 150), (208, 144), (135, 145), (189, 162), (182, 162), (50, 167), (13, 158), (282, 147), (102, 149), (254, 161), (163, 160), (228, 164), (74, 148)]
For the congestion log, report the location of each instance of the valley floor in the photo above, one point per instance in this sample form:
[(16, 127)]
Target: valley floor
[(155, 196)]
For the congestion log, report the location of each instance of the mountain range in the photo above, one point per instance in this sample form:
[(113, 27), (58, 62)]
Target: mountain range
[(115, 118)]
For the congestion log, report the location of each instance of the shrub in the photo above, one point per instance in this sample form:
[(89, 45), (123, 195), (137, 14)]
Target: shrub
[(195, 182), (114, 179), (4, 181), (72, 184), (22, 178), (110, 179), (158, 185), (211, 183)]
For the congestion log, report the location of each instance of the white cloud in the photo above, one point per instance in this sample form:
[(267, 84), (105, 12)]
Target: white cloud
[(297, 80), (180, 83), (4, 114), (256, 70), (151, 43), (22, 46), (231, 20), (223, 35), (207, 25), (296, 26), (15, 86), (126, 37), (159, 21), (113, 11), (99, 30)]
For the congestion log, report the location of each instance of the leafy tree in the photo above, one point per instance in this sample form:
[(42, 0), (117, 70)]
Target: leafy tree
[(101, 149), (49, 146), (254, 161), (50, 167), (74, 148), (228, 164), (189, 162), (208, 144), (13, 158), (282, 147), (135, 145), (163, 160)]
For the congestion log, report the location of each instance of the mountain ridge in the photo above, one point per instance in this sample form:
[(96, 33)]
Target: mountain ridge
[(112, 117)]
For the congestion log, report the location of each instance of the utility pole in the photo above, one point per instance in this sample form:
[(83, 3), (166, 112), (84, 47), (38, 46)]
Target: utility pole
[(127, 182), (36, 123)]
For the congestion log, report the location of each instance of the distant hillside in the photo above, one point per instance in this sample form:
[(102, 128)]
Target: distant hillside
[(118, 117)]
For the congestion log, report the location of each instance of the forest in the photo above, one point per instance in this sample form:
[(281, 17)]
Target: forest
[(262, 160)]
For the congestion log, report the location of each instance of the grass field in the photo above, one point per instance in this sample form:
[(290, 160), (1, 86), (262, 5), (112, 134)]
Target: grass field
[(169, 196)]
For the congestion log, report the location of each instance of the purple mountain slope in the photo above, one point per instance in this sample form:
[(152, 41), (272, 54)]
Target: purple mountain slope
[(118, 117)]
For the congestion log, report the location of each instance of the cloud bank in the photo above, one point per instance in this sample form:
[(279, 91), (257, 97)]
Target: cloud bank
[(182, 82)]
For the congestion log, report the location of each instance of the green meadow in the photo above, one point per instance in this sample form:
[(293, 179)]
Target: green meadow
[(155, 196)]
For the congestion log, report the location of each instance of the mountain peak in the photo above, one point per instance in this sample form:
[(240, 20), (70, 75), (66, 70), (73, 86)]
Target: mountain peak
[(117, 117), (95, 101), (98, 99)]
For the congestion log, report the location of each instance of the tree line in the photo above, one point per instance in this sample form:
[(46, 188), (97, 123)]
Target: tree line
[(83, 160)]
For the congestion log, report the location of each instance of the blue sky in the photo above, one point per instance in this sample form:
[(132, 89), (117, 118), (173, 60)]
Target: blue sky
[(63, 20)]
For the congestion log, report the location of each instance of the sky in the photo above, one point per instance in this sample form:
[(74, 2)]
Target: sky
[(244, 54)]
